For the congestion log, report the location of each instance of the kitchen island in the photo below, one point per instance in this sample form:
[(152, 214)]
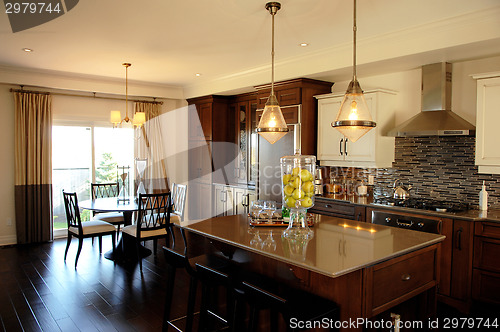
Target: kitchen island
[(366, 269)]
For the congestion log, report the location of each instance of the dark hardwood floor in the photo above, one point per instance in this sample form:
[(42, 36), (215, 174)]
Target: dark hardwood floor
[(40, 292)]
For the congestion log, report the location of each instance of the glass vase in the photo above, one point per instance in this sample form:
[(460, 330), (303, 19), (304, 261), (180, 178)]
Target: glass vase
[(297, 178)]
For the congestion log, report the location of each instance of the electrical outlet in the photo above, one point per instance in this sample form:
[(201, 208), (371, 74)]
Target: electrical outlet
[(9, 221)]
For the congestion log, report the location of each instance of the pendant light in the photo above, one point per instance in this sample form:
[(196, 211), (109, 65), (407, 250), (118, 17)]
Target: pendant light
[(116, 116), (354, 119), (272, 125)]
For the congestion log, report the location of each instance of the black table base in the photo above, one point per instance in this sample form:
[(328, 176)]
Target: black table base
[(126, 250)]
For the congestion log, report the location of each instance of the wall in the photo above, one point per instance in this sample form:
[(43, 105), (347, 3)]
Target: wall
[(7, 208), (72, 110)]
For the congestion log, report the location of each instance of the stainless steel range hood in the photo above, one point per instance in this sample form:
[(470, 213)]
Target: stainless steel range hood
[(436, 117)]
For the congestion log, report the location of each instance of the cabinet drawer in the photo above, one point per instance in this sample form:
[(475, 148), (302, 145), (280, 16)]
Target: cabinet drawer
[(486, 286), (396, 281), (347, 210), (489, 229), (486, 253)]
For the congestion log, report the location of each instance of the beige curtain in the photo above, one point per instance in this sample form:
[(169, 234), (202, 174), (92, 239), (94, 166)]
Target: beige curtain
[(150, 146), (33, 162)]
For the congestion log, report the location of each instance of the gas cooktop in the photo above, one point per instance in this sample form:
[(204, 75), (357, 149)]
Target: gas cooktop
[(424, 204)]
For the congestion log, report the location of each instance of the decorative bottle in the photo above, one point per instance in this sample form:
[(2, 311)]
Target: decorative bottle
[(483, 198)]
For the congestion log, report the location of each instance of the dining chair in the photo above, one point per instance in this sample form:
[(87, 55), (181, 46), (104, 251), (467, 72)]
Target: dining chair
[(178, 202), (104, 190), (82, 230), (152, 222)]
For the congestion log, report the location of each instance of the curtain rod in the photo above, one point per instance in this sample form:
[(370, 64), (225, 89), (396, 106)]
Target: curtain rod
[(84, 96)]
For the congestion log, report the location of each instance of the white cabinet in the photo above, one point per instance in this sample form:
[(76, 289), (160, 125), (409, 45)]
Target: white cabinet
[(373, 149), (487, 120), (229, 200)]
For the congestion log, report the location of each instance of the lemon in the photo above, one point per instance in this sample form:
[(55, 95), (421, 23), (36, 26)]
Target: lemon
[(290, 202), (296, 171), (288, 190), (298, 194), (295, 182), (305, 175), (308, 187), (306, 202), (286, 178)]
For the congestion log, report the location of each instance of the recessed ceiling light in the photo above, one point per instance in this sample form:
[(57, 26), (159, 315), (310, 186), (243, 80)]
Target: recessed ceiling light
[(27, 50), (197, 74), (304, 44)]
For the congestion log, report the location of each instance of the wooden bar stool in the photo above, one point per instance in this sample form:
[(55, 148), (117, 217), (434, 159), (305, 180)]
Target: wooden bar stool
[(199, 268), (295, 304)]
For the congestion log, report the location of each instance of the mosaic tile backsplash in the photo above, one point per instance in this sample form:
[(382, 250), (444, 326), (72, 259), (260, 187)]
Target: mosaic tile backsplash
[(437, 167)]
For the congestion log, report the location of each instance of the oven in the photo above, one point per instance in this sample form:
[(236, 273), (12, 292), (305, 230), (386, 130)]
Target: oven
[(413, 221)]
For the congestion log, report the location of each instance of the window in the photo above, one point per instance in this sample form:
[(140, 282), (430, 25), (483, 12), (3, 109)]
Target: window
[(85, 154)]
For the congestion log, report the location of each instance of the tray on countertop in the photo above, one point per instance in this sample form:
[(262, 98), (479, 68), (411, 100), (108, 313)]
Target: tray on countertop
[(275, 222)]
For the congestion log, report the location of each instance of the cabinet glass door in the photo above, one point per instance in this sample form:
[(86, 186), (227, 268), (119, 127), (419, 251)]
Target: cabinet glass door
[(254, 145), (242, 116)]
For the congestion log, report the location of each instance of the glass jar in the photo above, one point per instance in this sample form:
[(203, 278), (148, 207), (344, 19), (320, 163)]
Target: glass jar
[(297, 178)]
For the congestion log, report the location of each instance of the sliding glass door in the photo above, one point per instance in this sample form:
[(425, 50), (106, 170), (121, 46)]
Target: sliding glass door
[(85, 154)]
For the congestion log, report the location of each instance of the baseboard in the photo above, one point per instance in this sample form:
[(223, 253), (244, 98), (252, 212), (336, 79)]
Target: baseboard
[(8, 240)]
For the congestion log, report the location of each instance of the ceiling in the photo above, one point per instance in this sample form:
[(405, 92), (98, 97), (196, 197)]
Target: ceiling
[(228, 41)]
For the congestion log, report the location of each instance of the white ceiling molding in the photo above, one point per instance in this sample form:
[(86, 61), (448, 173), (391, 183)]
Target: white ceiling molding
[(86, 83)]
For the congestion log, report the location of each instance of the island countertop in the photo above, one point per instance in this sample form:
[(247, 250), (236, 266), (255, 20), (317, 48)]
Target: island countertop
[(339, 246)]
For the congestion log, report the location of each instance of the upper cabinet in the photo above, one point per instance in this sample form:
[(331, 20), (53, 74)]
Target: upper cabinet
[(487, 119), (296, 98), (373, 149)]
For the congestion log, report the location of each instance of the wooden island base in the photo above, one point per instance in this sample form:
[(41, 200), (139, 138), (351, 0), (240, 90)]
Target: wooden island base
[(404, 284)]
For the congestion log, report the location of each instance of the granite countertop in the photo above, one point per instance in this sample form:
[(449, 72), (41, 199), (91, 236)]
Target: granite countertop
[(471, 215), (339, 246)]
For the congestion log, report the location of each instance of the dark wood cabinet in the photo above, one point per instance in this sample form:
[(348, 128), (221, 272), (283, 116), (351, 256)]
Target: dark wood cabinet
[(455, 280), (209, 151), (339, 209), (225, 127), (486, 273), (244, 108), (456, 263)]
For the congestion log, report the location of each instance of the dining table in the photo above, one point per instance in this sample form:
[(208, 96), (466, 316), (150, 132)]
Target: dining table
[(125, 250)]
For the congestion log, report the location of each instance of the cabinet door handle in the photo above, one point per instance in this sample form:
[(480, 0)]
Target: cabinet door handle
[(358, 218), (340, 146), (246, 200), (328, 206), (459, 238), (345, 146), (405, 277)]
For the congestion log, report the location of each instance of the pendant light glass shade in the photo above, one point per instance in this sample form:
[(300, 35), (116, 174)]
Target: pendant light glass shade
[(354, 119), (272, 125)]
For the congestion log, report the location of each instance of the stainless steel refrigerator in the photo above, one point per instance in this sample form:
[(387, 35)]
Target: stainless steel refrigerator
[(269, 178)]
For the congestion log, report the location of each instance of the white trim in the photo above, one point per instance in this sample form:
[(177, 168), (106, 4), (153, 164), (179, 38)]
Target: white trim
[(60, 233), (8, 239)]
